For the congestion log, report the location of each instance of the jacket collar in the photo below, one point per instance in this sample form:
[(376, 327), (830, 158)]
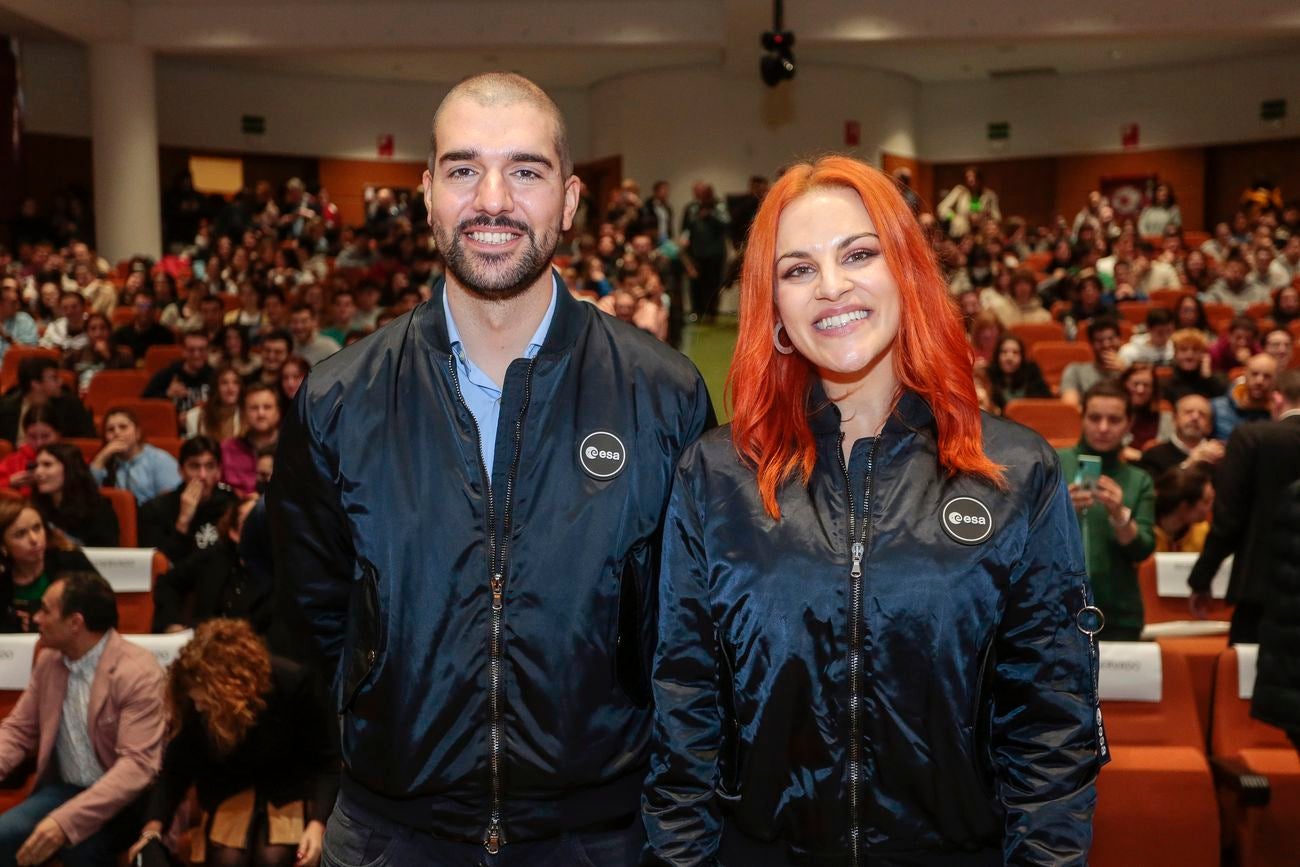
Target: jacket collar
[(911, 412), (571, 315)]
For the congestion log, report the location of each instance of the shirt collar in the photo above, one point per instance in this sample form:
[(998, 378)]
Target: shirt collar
[(89, 661), (534, 343)]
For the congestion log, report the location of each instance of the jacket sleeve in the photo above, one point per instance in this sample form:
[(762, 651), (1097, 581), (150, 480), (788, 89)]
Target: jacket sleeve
[(157, 529), (140, 725), (1143, 544), (315, 557), (173, 587), (680, 809), (20, 731), (1233, 495), (1047, 747)]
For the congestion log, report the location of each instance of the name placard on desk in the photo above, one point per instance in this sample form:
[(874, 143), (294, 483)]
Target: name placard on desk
[(1247, 659), (17, 652), (1173, 567), (164, 647), (1129, 671), (128, 570)]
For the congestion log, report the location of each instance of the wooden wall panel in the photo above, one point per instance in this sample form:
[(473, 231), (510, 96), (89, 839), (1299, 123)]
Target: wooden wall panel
[(1182, 168), (346, 181), (1229, 169), (922, 175), (1026, 187)]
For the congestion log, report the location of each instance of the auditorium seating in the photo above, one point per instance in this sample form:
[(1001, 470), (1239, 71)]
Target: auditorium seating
[(1169, 297), (1031, 333), (124, 506), (113, 387), (1052, 357), (1048, 416), (157, 415), (132, 572), (1155, 800), (1134, 312), (158, 357), (1257, 770)]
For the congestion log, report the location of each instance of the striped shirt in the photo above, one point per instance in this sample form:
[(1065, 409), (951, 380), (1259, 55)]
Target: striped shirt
[(77, 763)]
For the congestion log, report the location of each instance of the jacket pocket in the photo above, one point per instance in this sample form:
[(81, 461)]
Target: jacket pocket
[(630, 657), (361, 652), (982, 716), (729, 756)]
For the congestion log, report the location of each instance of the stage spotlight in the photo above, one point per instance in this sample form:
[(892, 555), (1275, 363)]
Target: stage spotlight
[(777, 65)]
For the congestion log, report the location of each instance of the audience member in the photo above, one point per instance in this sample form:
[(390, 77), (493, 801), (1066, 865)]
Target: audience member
[(98, 354), (66, 495), (1248, 399), (254, 735), (275, 351), (343, 309), (39, 384), (233, 350), (32, 555), (68, 332), (261, 419), (1286, 302), (1192, 373), (144, 330), (308, 342), (1233, 288), (187, 382), (1117, 512), (1260, 461), (128, 462), (1280, 345), (1154, 346), (1149, 423), (92, 717), (214, 582), (1161, 213), (292, 374), (1235, 346), (1079, 376), (1190, 441), (1190, 314), (704, 250), (39, 430), (968, 204), (17, 328), (218, 416), (1012, 376), (1184, 497), (185, 520)]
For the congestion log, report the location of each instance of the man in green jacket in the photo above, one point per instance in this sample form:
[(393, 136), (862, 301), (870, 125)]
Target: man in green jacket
[(1117, 514)]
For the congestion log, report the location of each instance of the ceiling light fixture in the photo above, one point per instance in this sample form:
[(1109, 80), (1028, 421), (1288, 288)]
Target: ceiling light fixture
[(777, 65)]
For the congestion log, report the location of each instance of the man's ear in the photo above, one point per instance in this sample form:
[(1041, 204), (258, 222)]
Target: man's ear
[(572, 194)]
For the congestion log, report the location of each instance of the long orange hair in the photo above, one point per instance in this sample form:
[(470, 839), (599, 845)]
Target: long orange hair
[(769, 425)]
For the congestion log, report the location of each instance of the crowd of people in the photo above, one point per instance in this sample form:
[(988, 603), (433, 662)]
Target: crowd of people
[(257, 290)]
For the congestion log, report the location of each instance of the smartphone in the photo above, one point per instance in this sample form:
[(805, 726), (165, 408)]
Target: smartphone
[(1089, 472)]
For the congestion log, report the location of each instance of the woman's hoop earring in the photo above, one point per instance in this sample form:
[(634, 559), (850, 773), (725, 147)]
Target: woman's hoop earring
[(776, 340)]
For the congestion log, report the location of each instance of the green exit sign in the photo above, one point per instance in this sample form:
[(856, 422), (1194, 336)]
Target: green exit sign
[(999, 131), (253, 124), (1272, 109)]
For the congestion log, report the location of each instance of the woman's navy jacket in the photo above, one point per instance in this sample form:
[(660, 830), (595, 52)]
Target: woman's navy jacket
[(979, 735)]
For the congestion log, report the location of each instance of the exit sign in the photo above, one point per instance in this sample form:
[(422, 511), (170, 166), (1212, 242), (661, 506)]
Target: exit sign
[(999, 131), (253, 124), (1272, 109)]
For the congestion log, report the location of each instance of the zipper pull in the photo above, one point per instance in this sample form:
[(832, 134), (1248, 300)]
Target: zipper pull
[(497, 584), (492, 840), (856, 571)]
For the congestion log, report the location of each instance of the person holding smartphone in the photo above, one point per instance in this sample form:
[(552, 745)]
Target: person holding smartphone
[(1115, 501)]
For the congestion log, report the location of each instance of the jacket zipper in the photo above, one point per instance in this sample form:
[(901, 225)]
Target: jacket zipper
[(857, 551), (498, 556)]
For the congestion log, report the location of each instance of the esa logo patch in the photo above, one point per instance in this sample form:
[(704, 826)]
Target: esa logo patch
[(966, 520), (602, 455)]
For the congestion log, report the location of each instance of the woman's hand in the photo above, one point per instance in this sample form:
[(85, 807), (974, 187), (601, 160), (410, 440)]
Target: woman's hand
[(309, 847), (23, 479), (1110, 495), (1081, 497), (151, 831), (112, 447)]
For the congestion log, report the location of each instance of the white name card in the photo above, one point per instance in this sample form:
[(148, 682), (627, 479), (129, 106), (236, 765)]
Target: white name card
[(128, 570), (164, 647), (16, 657), (1130, 671), (1173, 567), (1247, 658)]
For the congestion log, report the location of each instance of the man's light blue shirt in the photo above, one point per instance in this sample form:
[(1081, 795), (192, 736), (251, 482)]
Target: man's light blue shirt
[(482, 395)]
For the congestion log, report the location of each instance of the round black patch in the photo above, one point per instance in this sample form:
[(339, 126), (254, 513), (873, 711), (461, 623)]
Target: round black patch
[(966, 520), (602, 455)]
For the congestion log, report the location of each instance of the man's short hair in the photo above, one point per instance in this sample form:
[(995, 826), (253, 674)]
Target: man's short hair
[(73, 293), (1109, 388), (194, 335), (502, 89), (1100, 324), (211, 299), (1180, 485), (1158, 316), (31, 370), (1244, 323), (302, 307), (277, 334), (197, 446), (272, 293), (91, 596), (1288, 384)]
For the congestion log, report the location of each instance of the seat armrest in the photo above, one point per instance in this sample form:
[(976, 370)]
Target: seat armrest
[(1231, 773)]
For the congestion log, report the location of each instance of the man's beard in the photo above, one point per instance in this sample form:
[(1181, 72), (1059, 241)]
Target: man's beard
[(493, 276)]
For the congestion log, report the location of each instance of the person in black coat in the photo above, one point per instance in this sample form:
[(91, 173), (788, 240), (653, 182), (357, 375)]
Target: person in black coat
[(39, 384), (144, 331), (1261, 460), (1013, 375), (1277, 677), (215, 582), (65, 493), (183, 521), (255, 735), (188, 382)]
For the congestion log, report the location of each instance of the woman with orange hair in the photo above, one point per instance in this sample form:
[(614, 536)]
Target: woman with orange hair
[(875, 635), (254, 734)]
